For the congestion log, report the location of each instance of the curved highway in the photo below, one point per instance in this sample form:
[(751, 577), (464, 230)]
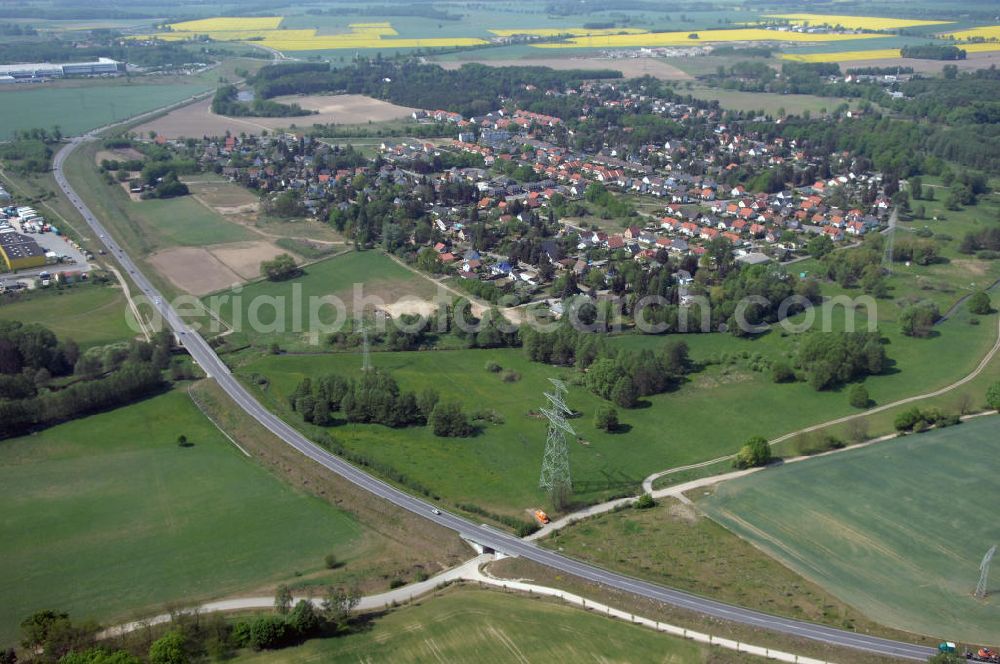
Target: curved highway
[(498, 540)]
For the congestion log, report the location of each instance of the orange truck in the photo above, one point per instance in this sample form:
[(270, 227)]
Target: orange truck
[(541, 516)]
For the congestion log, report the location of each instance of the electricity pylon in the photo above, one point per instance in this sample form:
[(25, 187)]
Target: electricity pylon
[(555, 476), (984, 572)]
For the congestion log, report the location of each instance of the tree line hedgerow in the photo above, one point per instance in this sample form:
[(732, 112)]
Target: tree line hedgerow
[(44, 381)]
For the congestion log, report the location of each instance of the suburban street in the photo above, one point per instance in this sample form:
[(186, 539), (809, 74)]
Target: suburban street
[(202, 353)]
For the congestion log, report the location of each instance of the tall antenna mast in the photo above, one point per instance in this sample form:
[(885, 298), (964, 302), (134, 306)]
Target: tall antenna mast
[(984, 572), (555, 476)]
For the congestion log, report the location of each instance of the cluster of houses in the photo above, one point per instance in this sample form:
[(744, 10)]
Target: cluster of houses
[(688, 178)]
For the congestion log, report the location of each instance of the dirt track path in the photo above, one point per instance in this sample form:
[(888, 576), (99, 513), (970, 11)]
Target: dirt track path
[(647, 484)]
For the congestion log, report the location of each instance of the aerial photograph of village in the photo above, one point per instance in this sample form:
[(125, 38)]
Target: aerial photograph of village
[(454, 331)]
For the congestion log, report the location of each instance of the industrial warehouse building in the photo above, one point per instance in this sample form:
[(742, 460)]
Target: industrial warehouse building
[(19, 252), (47, 70)]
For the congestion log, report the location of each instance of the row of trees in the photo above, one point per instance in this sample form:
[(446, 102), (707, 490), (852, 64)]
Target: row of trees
[(375, 398), (102, 377)]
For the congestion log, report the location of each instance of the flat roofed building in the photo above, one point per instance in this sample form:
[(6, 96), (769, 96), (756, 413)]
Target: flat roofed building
[(19, 252), (49, 70)]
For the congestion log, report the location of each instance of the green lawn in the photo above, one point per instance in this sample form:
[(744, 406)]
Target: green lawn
[(896, 529), (91, 315), (106, 517), (465, 625), (79, 109), (377, 275)]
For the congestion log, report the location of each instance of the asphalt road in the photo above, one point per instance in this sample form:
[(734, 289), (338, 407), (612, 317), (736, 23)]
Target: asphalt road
[(484, 535)]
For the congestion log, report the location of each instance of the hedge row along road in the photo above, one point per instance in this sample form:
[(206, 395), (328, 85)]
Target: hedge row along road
[(482, 534)]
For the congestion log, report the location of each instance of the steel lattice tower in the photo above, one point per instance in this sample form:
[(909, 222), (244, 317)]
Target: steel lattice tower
[(984, 572), (555, 474)]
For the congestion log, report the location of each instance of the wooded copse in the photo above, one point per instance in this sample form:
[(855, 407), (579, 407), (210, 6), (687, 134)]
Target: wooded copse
[(44, 381)]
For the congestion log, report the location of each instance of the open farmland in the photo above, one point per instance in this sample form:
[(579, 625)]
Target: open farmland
[(463, 625), (79, 109), (895, 529), (106, 517), (203, 270), (684, 38), (988, 32), (854, 22), (265, 31), (892, 58), (197, 120), (629, 67)]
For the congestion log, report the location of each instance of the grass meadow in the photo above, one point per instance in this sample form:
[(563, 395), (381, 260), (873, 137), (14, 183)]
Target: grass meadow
[(896, 529), (678, 546), (107, 517), (462, 625), (91, 315), (707, 417), (147, 226), (380, 277)]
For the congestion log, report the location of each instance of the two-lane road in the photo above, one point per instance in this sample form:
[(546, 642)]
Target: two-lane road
[(509, 544)]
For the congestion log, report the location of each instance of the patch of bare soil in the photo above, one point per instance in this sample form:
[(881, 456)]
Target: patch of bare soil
[(194, 270), (244, 258), (197, 120)]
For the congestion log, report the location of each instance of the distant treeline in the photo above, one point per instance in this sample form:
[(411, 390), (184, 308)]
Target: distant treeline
[(473, 89), (423, 11), (933, 52), (17, 30), (160, 55), (570, 7)]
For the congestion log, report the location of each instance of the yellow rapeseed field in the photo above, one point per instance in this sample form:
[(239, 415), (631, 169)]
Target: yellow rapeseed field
[(985, 32), (980, 48), (704, 37), (576, 32), (855, 22), (227, 23), (264, 31), (844, 56)]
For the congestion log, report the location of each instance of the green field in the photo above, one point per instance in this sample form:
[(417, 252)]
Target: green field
[(707, 417), (90, 315), (896, 529), (769, 103), (379, 276), (669, 544), (465, 625), (79, 109), (147, 226), (106, 517)]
